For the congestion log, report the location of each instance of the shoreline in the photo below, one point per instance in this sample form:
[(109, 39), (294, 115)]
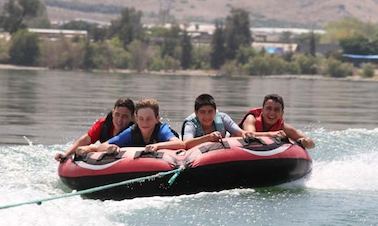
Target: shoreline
[(18, 67), (202, 73)]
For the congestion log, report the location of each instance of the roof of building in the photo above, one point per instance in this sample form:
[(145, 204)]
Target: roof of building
[(58, 31)]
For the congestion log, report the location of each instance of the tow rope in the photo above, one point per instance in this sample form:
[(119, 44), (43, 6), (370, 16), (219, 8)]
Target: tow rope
[(175, 173)]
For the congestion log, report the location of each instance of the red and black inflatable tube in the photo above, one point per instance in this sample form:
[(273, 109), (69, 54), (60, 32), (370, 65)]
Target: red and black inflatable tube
[(208, 167)]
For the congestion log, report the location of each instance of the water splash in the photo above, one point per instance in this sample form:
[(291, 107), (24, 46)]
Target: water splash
[(344, 160)]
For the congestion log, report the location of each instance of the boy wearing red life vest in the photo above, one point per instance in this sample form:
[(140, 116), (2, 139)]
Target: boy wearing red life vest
[(268, 121), (120, 118)]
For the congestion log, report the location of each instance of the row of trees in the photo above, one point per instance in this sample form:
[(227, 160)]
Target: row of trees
[(126, 44), (173, 44), (354, 36), (19, 14)]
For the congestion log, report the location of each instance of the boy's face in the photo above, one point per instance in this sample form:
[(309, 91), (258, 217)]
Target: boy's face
[(272, 112), (146, 120), (121, 118), (206, 115)]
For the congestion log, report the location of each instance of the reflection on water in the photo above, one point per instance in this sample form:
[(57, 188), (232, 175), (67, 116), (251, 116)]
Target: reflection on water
[(52, 107)]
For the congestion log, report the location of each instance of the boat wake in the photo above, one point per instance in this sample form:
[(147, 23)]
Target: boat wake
[(343, 160)]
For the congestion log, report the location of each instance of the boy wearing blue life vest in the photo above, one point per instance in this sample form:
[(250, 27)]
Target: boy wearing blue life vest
[(147, 132), (206, 124)]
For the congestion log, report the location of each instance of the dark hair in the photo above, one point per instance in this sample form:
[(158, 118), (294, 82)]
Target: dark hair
[(148, 103), (125, 102), (203, 100), (275, 97)]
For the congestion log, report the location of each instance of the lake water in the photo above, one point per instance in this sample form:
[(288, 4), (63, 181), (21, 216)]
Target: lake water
[(42, 112)]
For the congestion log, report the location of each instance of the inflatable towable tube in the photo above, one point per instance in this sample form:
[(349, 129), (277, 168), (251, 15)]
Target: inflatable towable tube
[(211, 166)]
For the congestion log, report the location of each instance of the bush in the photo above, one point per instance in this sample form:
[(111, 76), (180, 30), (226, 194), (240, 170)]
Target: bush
[(167, 63), (307, 64), (368, 70), (109, 55), (230, 68), (201, 57), (156, 64), (244, 54), (293, 68), (338, 69), (259, 66), (138, 55), (278, 65), (267, 65), (62, 54), (24, 49), (171, 63), (4, 51), (88, 63)]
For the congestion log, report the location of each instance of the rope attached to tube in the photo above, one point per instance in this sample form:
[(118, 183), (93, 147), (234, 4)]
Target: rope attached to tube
[(176, 172)]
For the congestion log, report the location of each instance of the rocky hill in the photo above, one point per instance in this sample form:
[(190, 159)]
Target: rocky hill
[(271, 13)]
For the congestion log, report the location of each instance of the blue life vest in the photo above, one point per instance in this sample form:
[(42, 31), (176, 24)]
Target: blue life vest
[(137, 137), (218, 125)]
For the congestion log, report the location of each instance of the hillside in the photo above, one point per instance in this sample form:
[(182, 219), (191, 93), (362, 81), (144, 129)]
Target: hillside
[(274, 13)]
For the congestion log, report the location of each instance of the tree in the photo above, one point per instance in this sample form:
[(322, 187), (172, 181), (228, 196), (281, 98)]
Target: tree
[(138, 52), (171, 40), (186, 51), (128, 27), (356, 45), (217, 54), (15, 12), (308, 42), (244, 54), (77, 25), (312, 44), (24, 49), (106, 55), (237, 32), (348, 27), (38, 18), (307, 64), (201, 57), (88, 62), (98, 33), (94, 31)]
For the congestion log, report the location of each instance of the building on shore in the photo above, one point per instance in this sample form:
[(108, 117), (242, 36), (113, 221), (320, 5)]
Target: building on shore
[(358, 59), (55, 34), (277, 48)]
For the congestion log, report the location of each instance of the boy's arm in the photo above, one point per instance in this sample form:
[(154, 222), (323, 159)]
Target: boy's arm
[(82, 141), (298, 136), (211, 137), (103, 147), (249, 123), (174, 143)]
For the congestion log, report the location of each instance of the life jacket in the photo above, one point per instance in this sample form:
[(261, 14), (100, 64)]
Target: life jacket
[(107, 128), (218, 125), (137, 137), (259, 123)]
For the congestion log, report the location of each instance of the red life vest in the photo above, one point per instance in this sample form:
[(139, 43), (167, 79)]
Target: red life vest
[(259, 123)]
